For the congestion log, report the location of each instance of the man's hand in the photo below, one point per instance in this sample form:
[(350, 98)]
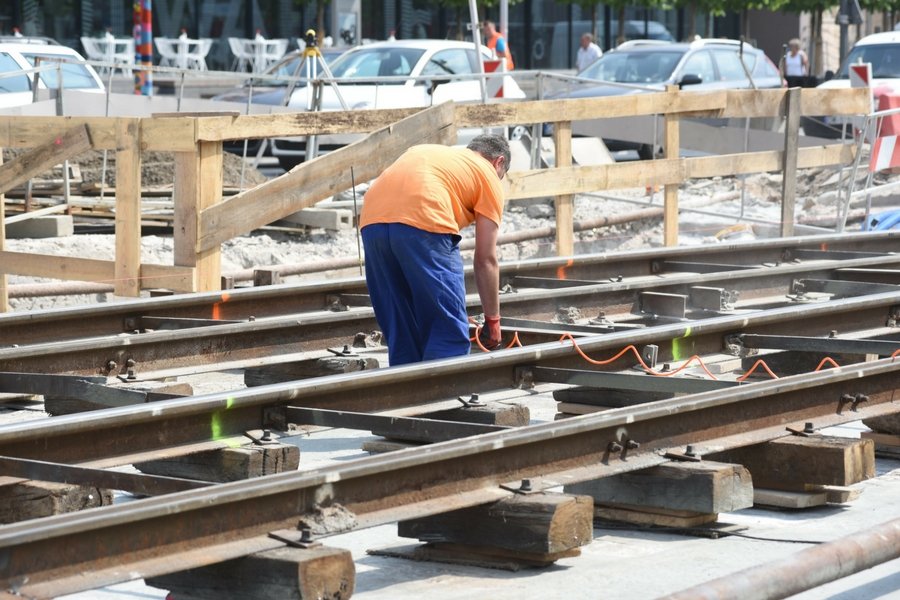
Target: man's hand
[(490, 333)]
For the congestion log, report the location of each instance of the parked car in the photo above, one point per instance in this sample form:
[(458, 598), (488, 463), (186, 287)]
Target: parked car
[(16, 58), (565, 42), (435, 59), (640, 67), (880, 49)]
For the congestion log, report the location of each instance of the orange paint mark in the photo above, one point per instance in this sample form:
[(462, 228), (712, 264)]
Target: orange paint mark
[(561, 271), (216, 309), (58, 141), (823, 247)]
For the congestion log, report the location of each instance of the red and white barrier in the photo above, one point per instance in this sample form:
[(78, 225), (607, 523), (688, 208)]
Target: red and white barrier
[(494, 85)]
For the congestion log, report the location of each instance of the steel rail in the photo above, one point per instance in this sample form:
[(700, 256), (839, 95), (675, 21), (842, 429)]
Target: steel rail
[(77, 551), (125, 431), (163, 353), (242, 304), (804, 570)]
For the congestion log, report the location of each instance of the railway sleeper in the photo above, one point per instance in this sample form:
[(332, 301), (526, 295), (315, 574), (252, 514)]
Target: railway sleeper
[(265, 456), (286, 573), (527, 529), (673, 494), (885, 434), (24, 500), (802, 471)]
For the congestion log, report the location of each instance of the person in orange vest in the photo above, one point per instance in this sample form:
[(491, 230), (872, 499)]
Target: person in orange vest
[(495, 41)]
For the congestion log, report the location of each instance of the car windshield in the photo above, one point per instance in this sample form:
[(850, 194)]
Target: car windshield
[(75, 75), (885, 59), (634, 67), (377, 62), (12, 79)]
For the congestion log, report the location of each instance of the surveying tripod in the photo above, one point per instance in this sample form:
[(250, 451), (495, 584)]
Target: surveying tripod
[(310, 59)]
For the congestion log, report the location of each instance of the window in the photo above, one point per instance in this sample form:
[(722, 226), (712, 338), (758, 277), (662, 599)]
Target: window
[(377, 63), (75, 76), (729, 63), (448, 62), (700, 64), (12, 83)]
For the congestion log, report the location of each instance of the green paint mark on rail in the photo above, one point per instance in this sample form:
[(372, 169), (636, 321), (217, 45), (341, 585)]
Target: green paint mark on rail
[(217, 427), (680, 347)]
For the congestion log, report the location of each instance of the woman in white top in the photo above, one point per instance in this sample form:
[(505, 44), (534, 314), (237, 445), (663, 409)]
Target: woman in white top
[(795, 65)]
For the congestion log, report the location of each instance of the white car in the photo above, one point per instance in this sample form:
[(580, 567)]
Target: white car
[(16, 58), (434, 59), (880, 49)]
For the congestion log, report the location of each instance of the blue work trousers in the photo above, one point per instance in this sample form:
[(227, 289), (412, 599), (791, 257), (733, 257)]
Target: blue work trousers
[(416, 283)]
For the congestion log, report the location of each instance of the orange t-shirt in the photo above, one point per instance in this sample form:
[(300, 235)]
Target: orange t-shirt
[(435, 188)]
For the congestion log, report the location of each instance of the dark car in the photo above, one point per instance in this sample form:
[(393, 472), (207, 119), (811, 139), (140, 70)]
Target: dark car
[(640, 67)]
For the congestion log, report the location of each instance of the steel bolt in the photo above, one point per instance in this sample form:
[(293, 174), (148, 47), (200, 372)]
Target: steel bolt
[(525, 486), (808, 428), (614, 447), (266, 436), (832, 333), (632, 445), (306, 535), (111, 365), (859, 399), (251, 318), (845, 399), (666, 367), (689, 451)]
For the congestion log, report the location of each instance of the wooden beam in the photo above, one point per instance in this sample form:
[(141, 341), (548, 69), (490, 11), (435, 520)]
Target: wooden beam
[(56, 267), (198, 185), (671, 145), (284, 573), (52, 151), (128, 208), (309, 182), (162, 134), (574, 180), (296, 124), (177, 278), (565, 213), (789, 161)]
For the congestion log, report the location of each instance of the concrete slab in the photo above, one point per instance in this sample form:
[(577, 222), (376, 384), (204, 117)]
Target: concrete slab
[(41, 227)]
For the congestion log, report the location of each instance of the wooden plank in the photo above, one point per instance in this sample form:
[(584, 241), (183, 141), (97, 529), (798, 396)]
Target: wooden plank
[(179, 279), (787, 499), (164, 134), (543, 523), (56, 267), (284, 573), (565, 204), (790, 463), (47, 210), (309, 182), (671, 146), (836, 494), (654, 518), (128, 208), (789, 161), (575, 180), (296, 124), (52, 151)]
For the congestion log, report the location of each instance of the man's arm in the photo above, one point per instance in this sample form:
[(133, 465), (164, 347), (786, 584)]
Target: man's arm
[(500, 50), (487, 271)]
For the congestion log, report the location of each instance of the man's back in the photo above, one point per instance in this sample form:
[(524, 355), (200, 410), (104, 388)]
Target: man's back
[(434, 188)]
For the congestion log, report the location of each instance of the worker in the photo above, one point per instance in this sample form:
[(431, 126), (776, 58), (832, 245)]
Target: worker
[(410, 225), (497, 43)]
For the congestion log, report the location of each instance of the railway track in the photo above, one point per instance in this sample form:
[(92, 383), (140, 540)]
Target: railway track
[(841, 303)]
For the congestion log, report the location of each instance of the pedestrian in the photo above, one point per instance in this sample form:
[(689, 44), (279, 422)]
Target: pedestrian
[(410, 223), (795, 65), (588, 52), (497, 43)]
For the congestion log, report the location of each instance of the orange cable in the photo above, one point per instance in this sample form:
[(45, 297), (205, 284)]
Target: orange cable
[(758, 363), (829, 360)]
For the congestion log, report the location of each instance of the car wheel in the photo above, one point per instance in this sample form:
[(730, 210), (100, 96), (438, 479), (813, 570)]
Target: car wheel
[(645, 152), (289, 162)]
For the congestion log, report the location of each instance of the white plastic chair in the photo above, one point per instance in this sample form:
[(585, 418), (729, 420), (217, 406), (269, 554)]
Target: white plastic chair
[(196, 58), (243, 56), (273, 52), (93, 52), (167, 51), (123, 54)]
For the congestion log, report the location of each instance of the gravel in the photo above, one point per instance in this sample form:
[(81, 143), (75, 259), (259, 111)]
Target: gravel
[(718, 198)]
